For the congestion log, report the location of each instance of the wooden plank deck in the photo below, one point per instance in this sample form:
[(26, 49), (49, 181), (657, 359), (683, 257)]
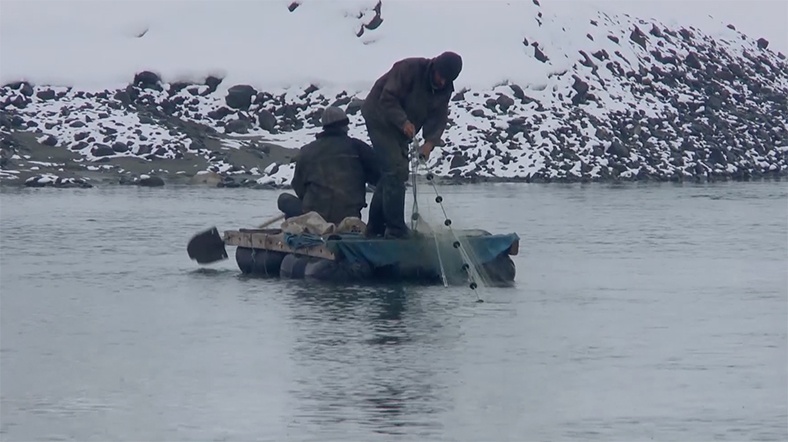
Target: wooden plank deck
[(273, 240)]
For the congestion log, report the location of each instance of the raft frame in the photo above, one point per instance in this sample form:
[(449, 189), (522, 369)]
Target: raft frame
[(262, 251)]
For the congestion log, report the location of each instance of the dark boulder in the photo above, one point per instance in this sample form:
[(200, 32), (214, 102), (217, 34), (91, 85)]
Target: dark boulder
[(19, 101), (119, 147), (150, 181), (177, 87), (341, 101), (580, 86), (218, 114), (266, 120), (26, 89), (693, 61), (101, 150), (228, 182), (354, 106), (518, 92), (539, 55), (638, 37), (238, 126), (147, 80), (212, 83), (46, 94), (240, 96), (458, 160), (504, 101), (617, 149), (49, 141)]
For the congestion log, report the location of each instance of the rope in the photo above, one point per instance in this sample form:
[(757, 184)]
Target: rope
[(415, 216), (302, 240), (414, 165)]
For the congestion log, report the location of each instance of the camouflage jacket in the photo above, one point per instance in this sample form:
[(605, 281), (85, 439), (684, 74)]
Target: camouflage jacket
[(331, 175), (405, 93)]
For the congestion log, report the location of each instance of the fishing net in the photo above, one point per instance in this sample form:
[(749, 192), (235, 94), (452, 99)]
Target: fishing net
[(431, 218)]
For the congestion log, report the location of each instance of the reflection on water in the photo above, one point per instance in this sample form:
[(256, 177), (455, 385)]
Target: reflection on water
[(368, 348)]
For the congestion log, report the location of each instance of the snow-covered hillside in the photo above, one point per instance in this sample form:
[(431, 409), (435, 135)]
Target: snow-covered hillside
[(547, 93)]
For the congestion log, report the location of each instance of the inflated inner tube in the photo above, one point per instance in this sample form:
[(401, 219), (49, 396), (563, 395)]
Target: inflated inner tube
[(259, 262), (498, 272), (307, 267)]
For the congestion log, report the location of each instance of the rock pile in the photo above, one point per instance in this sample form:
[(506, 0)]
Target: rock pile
[(640, 102)]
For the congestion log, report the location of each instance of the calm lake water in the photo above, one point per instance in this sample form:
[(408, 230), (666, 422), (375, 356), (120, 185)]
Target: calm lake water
[(641, 312)]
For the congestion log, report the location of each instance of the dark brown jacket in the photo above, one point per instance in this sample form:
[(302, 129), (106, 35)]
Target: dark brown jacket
[(405, 93), (331, 175)]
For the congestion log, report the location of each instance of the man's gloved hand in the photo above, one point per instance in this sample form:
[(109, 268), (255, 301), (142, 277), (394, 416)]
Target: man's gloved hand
[(426, 149), (409, 129)]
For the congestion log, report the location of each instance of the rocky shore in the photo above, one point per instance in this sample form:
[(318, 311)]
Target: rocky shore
[(640, 101)]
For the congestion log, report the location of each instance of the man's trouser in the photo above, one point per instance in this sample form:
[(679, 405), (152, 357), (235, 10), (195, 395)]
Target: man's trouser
[(387, 208)]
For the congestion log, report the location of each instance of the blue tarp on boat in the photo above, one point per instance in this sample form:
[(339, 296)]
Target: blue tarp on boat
[(382, 252), (424, 258)]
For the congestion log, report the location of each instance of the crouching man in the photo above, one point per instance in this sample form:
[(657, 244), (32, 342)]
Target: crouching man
[(331, 173)]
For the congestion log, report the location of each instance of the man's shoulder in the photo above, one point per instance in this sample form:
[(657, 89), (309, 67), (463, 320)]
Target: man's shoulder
[(308, 149), (309, 146), (411, 62), (359, 142), (420, 60)]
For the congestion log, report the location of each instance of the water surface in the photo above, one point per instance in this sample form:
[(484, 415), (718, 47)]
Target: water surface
[(641, 312)]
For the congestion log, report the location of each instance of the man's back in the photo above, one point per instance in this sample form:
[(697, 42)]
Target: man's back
[(404, 93), (331, 175)]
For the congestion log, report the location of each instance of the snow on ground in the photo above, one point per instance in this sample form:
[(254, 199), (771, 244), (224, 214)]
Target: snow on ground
[(549, 90), (98, 43)]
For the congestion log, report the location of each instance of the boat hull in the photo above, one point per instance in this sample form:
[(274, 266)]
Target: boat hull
[(354, 259)]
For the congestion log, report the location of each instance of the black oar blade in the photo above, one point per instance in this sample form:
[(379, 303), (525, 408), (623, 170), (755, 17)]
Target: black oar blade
[(207, 247)]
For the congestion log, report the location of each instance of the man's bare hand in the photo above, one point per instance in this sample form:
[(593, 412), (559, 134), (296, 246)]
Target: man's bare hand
[(426, 149), (409, 129)]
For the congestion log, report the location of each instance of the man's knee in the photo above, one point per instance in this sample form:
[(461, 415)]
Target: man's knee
[(392, 180), (289, 204), (401, 172), (391, 152)]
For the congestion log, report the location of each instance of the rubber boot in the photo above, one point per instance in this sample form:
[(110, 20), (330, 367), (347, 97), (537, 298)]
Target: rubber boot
[(376, 224), (394, 210)]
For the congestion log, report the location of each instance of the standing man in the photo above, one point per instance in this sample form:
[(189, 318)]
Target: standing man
[(331, 173), (413, 95)]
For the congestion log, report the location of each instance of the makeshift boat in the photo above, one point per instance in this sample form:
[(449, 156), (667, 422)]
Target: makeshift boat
[(346, 255), (307, 247), (351, 257)]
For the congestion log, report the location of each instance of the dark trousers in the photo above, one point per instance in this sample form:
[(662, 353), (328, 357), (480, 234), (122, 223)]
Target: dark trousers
[(387, 208), (290, 205)]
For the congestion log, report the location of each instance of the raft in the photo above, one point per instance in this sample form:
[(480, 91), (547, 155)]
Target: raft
[(352, 257)]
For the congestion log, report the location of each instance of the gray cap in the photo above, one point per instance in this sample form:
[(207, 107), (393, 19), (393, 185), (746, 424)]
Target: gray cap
[(334, 116)]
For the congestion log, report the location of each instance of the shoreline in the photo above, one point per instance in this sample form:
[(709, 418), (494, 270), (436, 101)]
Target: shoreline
[(97, 179), (44, 166), (28, 160)]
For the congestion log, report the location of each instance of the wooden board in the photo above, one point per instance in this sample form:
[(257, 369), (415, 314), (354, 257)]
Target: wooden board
[(273, 240)]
